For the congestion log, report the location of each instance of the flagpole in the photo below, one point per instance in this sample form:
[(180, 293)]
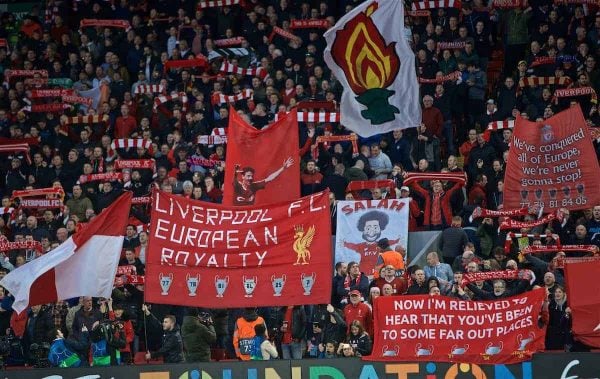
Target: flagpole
[(145, 334)]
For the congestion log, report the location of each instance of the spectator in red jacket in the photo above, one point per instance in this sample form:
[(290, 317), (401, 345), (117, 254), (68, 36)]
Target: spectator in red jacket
[(438, 212), (357, 310), (125, 124), (477, 194)]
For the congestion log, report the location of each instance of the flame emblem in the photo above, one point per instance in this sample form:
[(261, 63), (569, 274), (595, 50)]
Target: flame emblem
[(369, 64)]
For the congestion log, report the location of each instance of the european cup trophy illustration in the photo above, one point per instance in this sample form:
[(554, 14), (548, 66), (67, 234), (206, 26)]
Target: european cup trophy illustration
[(221, 285), (192, 284), (165, 282), (249, 284), (278, 284), (307, 282)]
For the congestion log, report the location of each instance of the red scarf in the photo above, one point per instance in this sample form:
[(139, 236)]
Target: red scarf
[(471, 277)]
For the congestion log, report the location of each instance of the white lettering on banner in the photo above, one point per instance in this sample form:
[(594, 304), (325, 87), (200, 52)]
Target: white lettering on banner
[(311, 207), (172, 257), (571, 364), (181, 234), (211, 216), (516, 313)]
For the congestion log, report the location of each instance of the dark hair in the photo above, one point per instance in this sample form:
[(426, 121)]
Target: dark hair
[(373, 215), (260, 329), (248, 169)]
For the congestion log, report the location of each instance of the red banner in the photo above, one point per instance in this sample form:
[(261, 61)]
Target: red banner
[(262, 166), (552, 164), (210, 255), (439, 328), (584, 299)]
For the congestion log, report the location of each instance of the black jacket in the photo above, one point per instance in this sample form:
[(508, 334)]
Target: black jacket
[(172, 345)]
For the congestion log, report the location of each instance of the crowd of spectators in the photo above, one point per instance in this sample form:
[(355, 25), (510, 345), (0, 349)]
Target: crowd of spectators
[(456, 112)]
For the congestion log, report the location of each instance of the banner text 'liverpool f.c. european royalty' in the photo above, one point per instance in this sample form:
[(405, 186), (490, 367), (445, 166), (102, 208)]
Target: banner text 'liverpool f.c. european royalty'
[(439, 328), (552, 164), (211, 255)]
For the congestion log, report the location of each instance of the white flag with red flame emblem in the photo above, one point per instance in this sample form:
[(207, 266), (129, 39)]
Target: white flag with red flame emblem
[(367, 53)]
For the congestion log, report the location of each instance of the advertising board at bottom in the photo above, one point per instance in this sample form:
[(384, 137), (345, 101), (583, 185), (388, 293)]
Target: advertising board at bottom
[(341, 368)]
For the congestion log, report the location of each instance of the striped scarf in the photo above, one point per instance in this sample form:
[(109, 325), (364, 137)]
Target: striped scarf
[(433, 4), (212, 140), (446, 78), (87, 22), (16, 148), (412, 177), (315, 117), (218, 98), (235, 69), (90, 119), (500, 125), (148, 88), (174, 96), (217, 3), (544, 81), (228, 52), (128, 143)]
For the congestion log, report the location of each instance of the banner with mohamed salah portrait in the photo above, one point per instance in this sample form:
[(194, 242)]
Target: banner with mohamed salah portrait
[(368, 53), (262, 166), (211, 255), (552, 164), (361, 224)]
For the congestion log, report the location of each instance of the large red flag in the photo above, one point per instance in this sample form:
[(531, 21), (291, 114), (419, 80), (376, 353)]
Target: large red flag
[(263, 166), (552, 164), (583, 294), (218, 256)]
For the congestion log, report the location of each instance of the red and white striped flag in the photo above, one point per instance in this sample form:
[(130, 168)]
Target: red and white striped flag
[(83, 265)]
